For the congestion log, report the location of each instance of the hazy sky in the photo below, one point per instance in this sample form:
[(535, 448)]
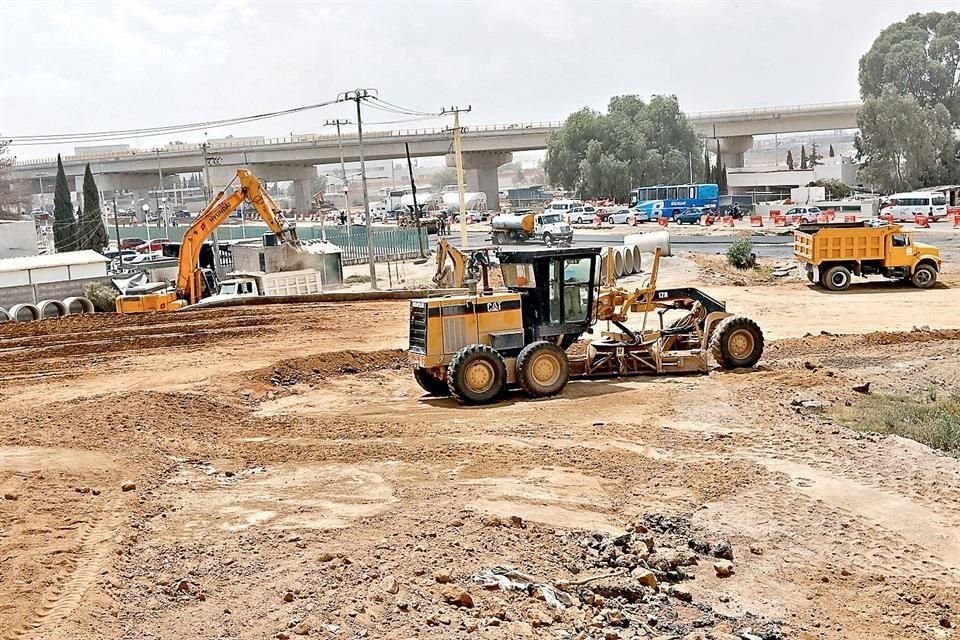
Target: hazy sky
[(91, 66)]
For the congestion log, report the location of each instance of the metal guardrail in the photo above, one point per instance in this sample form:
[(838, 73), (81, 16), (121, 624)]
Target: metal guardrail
[(301, 139), (766, 111)]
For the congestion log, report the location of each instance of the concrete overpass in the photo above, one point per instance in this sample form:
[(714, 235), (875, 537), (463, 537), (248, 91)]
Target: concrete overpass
[(485, 148)]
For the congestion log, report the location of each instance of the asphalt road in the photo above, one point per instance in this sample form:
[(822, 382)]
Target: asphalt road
[(766, 246)]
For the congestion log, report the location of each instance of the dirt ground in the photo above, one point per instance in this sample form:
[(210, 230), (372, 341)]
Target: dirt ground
[(275, 472)]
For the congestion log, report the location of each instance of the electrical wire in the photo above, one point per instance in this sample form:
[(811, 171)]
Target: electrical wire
[(399, 108), (93, 136)]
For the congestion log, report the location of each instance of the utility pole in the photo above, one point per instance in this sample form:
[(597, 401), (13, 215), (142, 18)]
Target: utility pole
[(458, 154), (207, 192), (163, 196), (416, 209), (116, 228), (343, 169), (357, 96)]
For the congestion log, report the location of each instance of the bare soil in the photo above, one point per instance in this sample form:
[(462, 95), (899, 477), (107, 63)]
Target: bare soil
[(286, 477)]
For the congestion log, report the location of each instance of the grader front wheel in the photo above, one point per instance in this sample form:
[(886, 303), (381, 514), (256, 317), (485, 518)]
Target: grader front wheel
[(736, 342)]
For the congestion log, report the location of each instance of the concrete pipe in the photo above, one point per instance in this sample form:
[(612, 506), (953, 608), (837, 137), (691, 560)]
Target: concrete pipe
[(4, 316), (636, 258), (627, 253), (78, 304), (52, 309), (18, 311), (617, 262), (650, 242)]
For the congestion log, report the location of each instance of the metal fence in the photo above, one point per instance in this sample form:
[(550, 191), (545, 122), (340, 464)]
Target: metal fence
[(388, 244)]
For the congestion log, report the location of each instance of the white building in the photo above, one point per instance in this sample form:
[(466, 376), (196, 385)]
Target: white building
[(744, 180), (18, 239), (59, 267)]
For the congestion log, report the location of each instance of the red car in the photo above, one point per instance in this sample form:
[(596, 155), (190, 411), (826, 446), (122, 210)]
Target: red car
[(131, 243), (154, 245)]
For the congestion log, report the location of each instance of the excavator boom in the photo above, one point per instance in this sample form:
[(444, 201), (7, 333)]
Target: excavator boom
[(189, 285)]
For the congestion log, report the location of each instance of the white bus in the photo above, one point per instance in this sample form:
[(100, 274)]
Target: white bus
[(904, 206)]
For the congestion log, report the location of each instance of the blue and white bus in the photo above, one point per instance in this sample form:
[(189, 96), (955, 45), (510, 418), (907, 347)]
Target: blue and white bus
[(669, 200)]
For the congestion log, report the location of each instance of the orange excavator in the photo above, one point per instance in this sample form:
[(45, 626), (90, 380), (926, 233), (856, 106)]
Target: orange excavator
[(193, 282)]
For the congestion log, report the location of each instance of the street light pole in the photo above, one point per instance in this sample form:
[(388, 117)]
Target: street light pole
[(163, 195), (208, 191), (357, 96), (42, 206), (343, 169)]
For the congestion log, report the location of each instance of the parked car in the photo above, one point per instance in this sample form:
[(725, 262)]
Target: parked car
[(183, 213), (582, 215), (113, 254), (621, 216), (808, 215), (154, 245), (472, 215), (131, 243), (690, 215)]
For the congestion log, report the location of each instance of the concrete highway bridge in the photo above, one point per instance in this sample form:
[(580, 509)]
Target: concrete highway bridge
[(485, 148)]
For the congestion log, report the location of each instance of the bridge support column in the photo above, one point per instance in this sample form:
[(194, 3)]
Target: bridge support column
[(732, 149), (480, 173)]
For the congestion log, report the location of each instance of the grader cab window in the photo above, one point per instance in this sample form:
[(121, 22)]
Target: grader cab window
[(576, 289), (518, 276)]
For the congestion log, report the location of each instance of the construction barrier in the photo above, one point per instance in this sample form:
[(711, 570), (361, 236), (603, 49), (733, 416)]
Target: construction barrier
[(779, 221), (849, 218), (755, 221), (923, 222), (831, 215), (663, 221), (795, 219), (774, 213), (956, 221), (632, 221), (822, 219), (706, 220), (727, 221), (596, 221), (888, 218)]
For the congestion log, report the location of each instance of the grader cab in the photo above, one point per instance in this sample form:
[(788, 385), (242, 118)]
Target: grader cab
[(476, 346)]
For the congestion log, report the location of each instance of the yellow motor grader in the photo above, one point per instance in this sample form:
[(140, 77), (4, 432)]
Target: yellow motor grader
[(475, 346)]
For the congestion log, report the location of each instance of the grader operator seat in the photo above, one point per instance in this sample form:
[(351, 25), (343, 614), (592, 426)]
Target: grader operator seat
[(558, 287)]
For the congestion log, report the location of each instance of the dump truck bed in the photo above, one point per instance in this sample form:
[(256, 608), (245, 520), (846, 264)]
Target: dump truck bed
[(856, 241)]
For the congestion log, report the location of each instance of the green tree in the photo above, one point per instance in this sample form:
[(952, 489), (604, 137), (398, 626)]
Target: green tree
[(64, 224), (318, 184), (444, 177), (836, 190), (803, 157), (919, 56), (91, 232), (815, 156), (903, 145), (706, 166), (633, 143), (830, 153), (722, 176), (912, 69), (789, 160), (13, 196)]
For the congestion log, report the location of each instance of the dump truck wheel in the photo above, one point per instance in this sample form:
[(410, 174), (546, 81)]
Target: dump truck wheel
[(430, 383), (924, 276), (542, 369), (837, 278), (736, 342), (499, 237), (476, 375)]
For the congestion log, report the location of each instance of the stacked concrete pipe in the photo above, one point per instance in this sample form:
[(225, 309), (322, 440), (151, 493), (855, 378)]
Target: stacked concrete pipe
[(46, 310)]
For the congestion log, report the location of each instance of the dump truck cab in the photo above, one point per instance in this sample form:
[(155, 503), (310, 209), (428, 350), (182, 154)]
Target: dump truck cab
[(829, 254)]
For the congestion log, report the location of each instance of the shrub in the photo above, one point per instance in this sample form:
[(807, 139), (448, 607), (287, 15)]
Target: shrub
[(740, 254), (101, 296), (356, 279)]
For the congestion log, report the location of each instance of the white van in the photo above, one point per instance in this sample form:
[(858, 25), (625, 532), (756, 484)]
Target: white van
[(563, 207), (904, 206)]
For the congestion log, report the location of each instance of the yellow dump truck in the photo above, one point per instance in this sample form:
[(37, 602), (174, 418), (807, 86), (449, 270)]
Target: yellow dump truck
[(830, 254)]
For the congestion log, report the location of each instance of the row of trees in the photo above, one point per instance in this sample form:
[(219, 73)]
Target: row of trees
[(910, 84), (85, 230), (634, 143), (807, 162)]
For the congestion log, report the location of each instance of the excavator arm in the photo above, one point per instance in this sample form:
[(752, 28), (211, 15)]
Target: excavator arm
[(447, 276), (189, 278)]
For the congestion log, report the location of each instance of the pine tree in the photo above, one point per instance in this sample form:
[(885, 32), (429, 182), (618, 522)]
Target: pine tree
[(706, 166), (93, 235), (803, 157), (789, 160), (815, 156), (831, 151), (721, 176), (64, 224)]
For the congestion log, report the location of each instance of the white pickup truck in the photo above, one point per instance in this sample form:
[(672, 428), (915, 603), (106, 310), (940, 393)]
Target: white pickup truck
[(242, 284)]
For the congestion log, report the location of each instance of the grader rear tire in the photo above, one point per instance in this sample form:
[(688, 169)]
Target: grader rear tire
[(430, 383), (476, 375), (736, 342), (542, 369)]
